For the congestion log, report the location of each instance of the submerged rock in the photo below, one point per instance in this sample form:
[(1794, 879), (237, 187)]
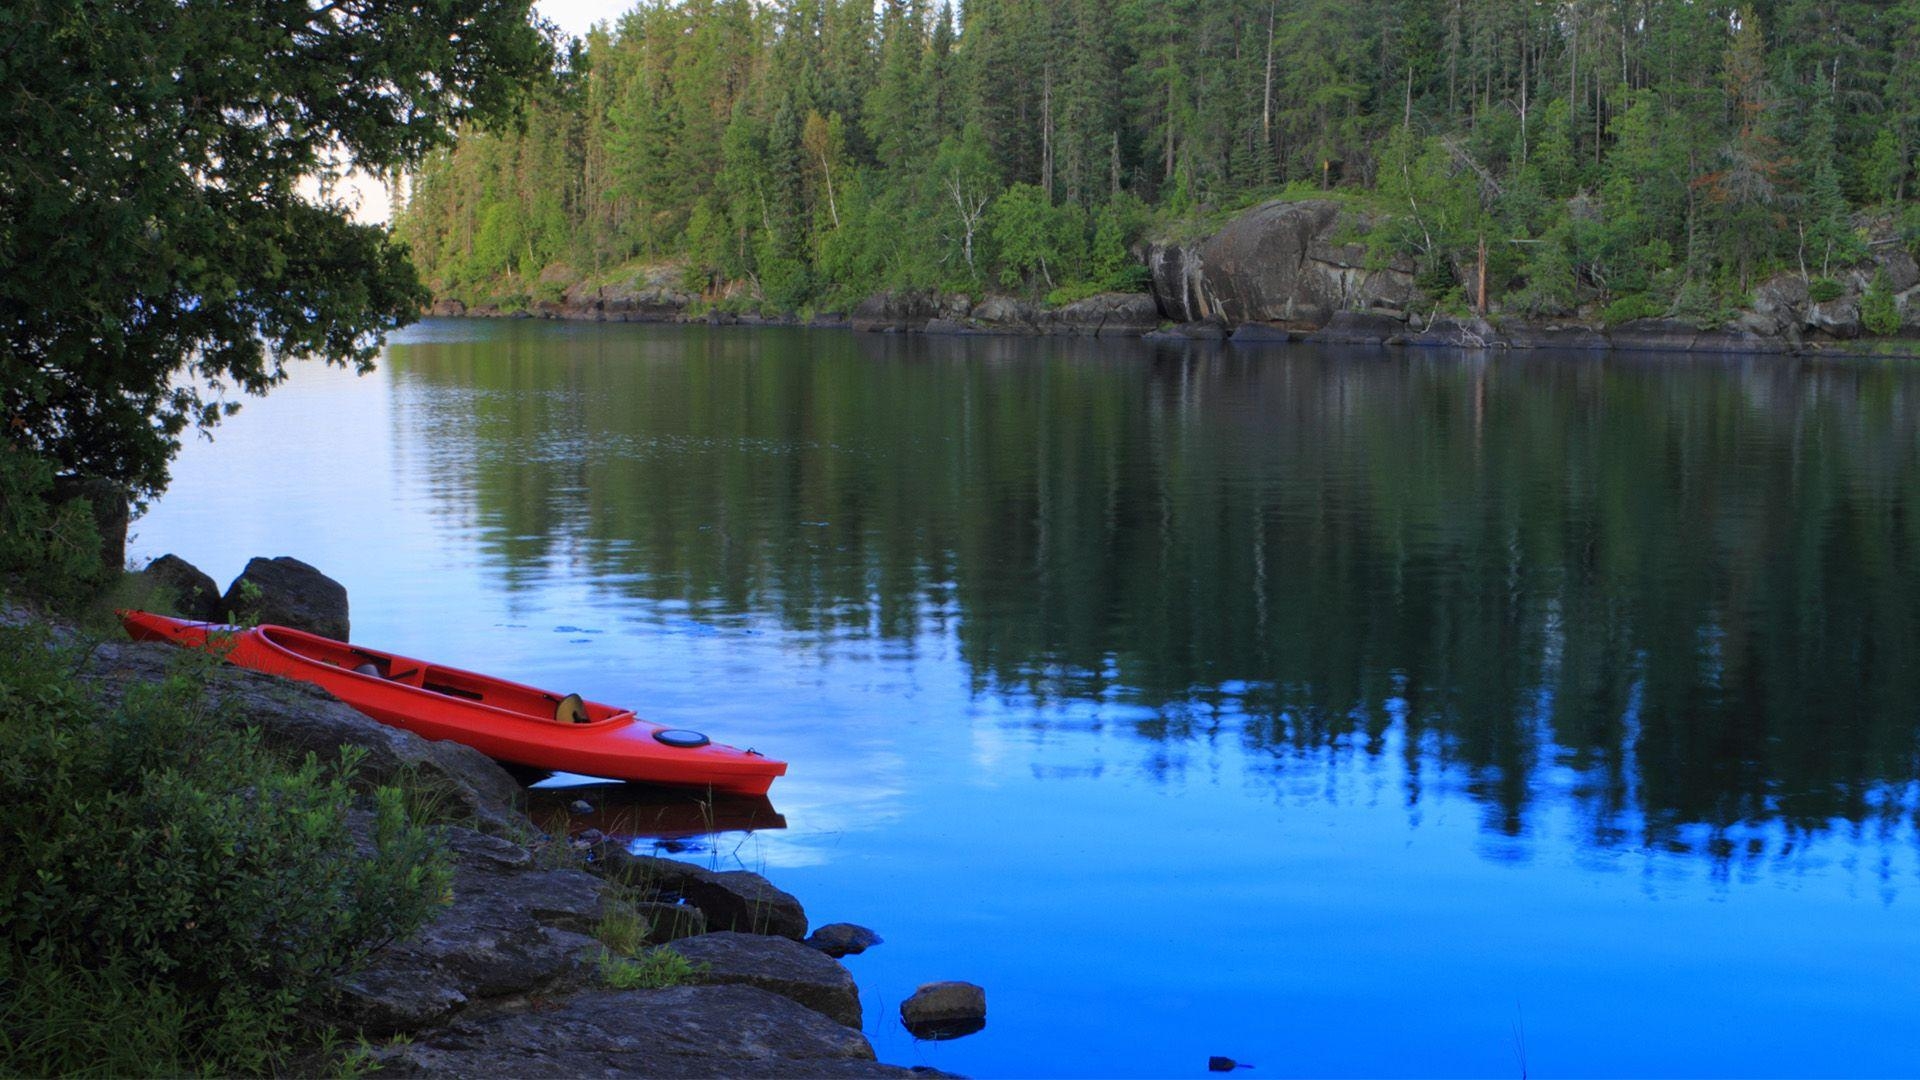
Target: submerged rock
[(843, 939), (778, 966), (945, 1010), (290, 593), (193, 592)]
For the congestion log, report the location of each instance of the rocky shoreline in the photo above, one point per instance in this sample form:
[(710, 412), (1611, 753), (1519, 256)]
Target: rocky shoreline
[(1279, 273), (511, 978)]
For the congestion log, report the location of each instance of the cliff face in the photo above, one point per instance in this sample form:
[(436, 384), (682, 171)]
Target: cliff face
[(1281, 262)]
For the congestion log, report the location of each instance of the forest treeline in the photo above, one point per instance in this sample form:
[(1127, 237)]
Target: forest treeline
[(1652, 156)]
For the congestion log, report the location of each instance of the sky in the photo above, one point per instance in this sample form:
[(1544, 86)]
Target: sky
[(372, 202), (575, 17)]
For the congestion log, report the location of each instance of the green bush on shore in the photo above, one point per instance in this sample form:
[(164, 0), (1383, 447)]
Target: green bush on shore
[(174, 896)]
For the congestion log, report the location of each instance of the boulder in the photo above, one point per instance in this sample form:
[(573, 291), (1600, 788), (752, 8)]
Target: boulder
[(1109, 314), (194, 594), (107, 502), (945, 1010), (301, 719), (1780, 303), (447, 308), (682, 1031), (1909, 304), (744, 901), (1902, 271), (1283, 261), (843, 939), (1839, 318), (290, 593), (891, 312), (1005, 313), (777, 966)]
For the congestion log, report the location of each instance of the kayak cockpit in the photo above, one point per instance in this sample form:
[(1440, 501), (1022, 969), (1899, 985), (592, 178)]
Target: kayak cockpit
[(525, 702)]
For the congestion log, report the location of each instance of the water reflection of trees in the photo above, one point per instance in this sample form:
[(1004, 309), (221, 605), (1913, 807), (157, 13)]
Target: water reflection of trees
[(1690, 585)]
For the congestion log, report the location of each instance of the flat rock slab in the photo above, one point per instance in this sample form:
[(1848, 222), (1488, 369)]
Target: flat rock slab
[(777, 966), (684, 1031), (511, 929), (745, 901)]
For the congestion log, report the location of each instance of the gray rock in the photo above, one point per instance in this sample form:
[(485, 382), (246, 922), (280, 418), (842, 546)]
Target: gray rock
[(1105, 315), (194, 594), (1450, 332), (894, 312), (843, 939), (945, 1010), (511, 928), (1840, 318), (652, 877), (1779, 303), (1005, 313), (670, 922), (1902, 271), (291, 593), (1283, 262), (684, 1031), (777, 966), (1551, 336), (744, 901), (1654, 335), (447, 309), (1358, 328), (301, 718)]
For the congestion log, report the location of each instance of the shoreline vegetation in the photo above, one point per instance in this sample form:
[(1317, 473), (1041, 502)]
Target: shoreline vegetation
[(210, 871), (1658, 174)]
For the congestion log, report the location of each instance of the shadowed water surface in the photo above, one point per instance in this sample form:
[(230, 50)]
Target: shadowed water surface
[(1346, 712)]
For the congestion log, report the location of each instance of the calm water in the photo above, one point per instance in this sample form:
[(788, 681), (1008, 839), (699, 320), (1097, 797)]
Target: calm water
[(1343, 712)]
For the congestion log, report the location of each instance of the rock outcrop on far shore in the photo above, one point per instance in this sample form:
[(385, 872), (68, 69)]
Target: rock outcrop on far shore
[(1288, 270)]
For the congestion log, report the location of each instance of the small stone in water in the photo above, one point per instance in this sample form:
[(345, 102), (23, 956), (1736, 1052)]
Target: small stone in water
[(580, 806), (1225, 1064)]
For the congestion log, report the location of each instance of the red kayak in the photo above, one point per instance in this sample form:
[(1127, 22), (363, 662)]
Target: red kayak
[(503, 720)]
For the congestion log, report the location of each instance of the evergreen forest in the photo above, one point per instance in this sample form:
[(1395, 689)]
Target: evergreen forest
[(1635, 157)]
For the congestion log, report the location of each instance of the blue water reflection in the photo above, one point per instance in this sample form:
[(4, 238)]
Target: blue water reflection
[(1348, 714)]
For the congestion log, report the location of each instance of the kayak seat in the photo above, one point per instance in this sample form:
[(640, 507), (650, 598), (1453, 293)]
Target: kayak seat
[(572, 710), (369, 668)]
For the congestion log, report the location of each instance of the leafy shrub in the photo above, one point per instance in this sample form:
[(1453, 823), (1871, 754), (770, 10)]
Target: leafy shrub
[(1879, 312), (165, 877), (1822, 290), (45, 550), (1633, 306)]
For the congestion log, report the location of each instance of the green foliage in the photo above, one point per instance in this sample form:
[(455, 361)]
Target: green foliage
[(822, 151), (150, 220), (47, 551), (654, 969), (1879, 311), (1823, 290), (165, 879), (1630, 307)]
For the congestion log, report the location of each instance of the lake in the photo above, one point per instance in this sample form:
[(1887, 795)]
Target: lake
[(1347, 712)]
